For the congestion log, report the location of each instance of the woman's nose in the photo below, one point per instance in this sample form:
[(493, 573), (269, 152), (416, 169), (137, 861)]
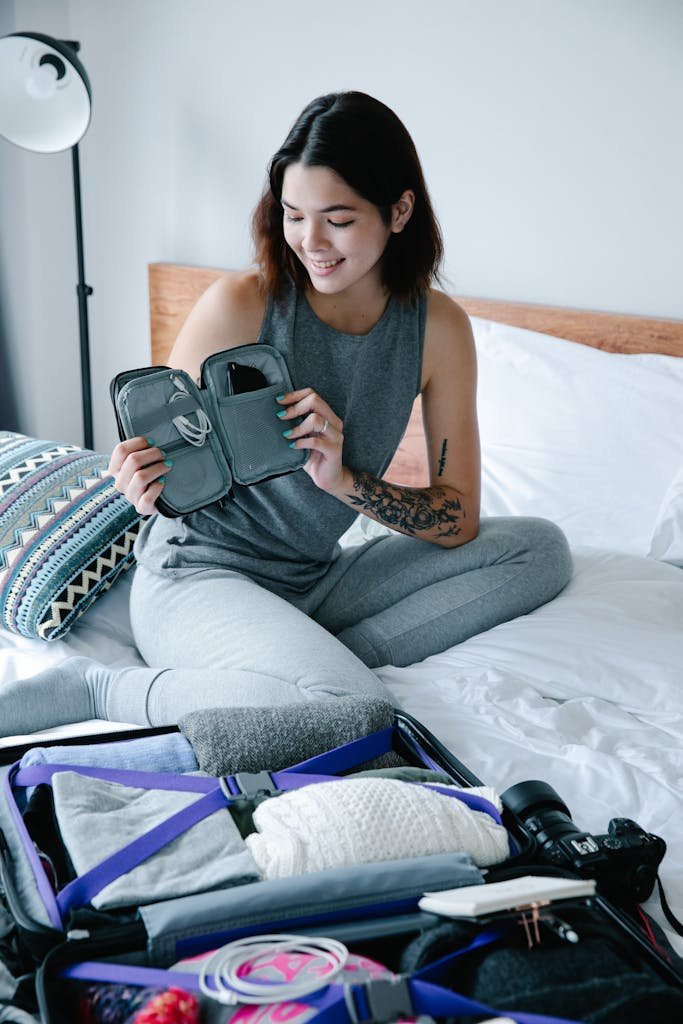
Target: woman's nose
[(314, 238)]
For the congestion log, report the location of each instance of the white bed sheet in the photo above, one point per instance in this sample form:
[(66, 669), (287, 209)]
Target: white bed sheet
[(584, 693)]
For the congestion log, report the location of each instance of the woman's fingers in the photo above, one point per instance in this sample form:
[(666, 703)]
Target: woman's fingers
[(130, 447), (304, 403), (315, 424), (139, 469), (294, 396), (145, 504), (320, 432)]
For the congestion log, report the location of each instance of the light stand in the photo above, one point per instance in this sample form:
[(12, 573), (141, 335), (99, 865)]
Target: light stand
[(45, 103), (83, 290)]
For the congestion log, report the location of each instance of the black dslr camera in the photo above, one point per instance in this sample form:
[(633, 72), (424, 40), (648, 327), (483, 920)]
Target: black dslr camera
[(623, 863)]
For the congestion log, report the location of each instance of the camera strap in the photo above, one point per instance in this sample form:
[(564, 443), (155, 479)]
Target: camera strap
[(668, 912)]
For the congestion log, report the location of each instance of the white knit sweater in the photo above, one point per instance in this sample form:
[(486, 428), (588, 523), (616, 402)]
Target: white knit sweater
[(356, 821)]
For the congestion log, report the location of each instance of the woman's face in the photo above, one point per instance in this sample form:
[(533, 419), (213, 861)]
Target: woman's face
[(338, 236)]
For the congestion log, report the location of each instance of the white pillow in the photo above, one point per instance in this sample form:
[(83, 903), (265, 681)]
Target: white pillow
[(667, 538), (587, 438)]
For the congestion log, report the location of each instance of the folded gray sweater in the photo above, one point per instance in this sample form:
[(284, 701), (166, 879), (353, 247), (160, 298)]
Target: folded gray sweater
[(229, 740)]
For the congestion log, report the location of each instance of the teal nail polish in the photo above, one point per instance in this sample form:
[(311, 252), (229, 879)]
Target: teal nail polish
[(168, 462), (161, 480), (150, 441), (293, 444), (286, 433), (278, 398), (281, 413)]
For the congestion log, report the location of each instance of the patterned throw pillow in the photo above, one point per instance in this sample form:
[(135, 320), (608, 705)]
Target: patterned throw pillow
[(65, 534)]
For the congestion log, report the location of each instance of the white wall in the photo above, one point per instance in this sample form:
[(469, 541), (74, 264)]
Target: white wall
[(549, 131)]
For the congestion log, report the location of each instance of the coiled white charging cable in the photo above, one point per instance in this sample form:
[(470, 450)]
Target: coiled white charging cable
[(194, 433), (228, 988)]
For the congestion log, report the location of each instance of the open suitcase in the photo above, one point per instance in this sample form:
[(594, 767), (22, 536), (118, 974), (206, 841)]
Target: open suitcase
[(72, 948)]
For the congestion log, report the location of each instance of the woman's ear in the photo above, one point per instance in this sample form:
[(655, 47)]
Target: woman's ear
[(401, 211)]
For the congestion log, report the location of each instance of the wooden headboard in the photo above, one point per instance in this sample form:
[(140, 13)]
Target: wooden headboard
[(174, 288)]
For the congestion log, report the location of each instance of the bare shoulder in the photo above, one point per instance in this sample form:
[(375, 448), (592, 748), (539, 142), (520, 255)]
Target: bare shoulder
[(444, 313), (229, 313), (448, 334), (238, 298)]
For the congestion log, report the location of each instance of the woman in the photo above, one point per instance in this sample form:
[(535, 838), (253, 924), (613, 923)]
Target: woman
[(251, 601)]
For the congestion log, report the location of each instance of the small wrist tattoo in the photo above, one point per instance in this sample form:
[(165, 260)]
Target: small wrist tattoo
[(442, 457)]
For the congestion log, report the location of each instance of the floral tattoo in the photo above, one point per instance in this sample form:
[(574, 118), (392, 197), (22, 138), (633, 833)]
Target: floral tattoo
[(411, 510)]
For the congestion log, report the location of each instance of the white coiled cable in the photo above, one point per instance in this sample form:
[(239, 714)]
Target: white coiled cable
[(194, 433), (228, 988)]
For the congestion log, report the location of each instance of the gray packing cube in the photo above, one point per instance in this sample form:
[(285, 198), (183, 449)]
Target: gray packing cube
[(191, 924), (213, 432)]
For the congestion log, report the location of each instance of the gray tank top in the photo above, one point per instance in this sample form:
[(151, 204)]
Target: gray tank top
[(283, 532)]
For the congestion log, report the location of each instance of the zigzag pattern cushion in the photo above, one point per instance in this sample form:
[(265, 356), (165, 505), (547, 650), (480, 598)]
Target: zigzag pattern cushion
[(65, 534)]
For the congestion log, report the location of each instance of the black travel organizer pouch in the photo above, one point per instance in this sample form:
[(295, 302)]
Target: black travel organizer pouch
[(213, 433)]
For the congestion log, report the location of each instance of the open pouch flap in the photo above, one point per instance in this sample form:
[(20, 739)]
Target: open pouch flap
[(153, 405)]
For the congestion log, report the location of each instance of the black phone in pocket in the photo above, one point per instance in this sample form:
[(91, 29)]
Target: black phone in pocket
[(242, 378)]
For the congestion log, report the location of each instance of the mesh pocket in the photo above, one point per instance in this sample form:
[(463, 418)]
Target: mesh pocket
[(255, 436)]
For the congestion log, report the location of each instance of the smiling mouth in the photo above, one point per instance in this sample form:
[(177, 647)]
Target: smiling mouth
[(325, 264)]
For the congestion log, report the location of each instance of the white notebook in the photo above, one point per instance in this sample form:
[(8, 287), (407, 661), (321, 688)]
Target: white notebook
[(472, 900)]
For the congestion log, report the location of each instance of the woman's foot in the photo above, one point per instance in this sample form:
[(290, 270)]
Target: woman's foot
[(59, 695)]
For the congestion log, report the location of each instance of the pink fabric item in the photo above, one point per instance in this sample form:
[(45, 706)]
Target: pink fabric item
[(284, 967)]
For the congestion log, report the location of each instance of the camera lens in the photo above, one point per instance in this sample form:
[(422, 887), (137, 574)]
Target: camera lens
[(541, 809), (527, 798)]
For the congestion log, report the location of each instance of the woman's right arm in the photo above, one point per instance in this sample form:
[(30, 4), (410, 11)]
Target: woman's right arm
[(229, 313)]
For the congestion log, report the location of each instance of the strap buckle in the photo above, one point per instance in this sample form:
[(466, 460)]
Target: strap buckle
[(251, 784), (379, 1001)]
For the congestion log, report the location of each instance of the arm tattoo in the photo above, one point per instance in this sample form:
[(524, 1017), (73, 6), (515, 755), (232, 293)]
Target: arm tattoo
[(442, 457), (409, 509)]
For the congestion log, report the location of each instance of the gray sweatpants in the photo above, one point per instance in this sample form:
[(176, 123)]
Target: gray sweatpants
[(222, 640)]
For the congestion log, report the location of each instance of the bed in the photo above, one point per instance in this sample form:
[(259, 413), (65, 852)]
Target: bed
[(582, 422)]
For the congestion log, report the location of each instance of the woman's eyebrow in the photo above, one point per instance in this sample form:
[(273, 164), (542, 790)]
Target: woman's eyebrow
[(327, 209)]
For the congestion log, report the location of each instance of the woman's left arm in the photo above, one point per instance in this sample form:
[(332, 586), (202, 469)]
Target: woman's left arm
[(447, 511)]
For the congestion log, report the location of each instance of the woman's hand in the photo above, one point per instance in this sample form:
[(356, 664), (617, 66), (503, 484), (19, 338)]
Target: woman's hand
[(321, 432), (139, 469)]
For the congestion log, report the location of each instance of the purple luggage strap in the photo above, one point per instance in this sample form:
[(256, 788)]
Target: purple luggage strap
[(214, 794)]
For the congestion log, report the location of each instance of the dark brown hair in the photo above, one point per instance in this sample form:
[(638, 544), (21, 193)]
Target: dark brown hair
[(365, 143)]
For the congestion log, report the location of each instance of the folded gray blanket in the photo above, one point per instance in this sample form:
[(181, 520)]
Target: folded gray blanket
[(229, 740)]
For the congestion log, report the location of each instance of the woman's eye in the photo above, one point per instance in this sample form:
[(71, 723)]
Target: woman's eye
[(340, 224), (292, 220)]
